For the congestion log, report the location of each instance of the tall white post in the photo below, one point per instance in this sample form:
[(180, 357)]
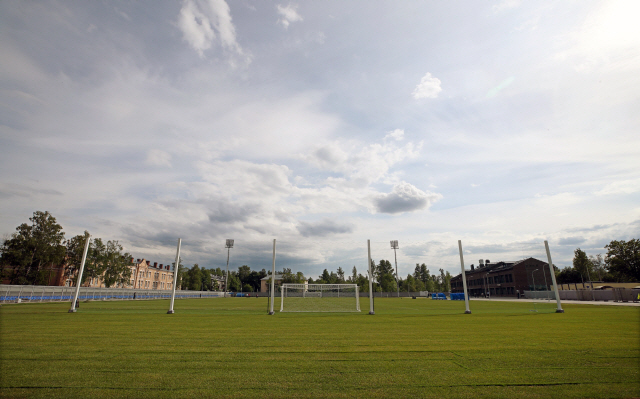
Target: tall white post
[(371, 311), (84, 259), (226, 279), (273, 278), (553, 278), (395, 257), (464, 279), (175, 278)]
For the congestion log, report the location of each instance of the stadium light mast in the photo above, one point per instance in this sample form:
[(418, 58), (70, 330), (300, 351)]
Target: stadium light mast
[(394, 245), (228, 246)]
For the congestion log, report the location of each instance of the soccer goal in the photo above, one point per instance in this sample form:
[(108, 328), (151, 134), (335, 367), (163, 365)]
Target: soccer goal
[(320, 298)]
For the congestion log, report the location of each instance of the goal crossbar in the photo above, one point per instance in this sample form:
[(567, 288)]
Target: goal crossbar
[(319, 298)]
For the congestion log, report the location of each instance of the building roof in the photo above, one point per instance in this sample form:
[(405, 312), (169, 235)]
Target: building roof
[(495, 267), (278, 277)]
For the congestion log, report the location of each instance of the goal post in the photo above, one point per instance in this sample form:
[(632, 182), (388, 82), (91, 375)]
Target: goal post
[(319, 298)]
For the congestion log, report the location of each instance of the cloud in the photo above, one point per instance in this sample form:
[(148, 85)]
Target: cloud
[(429, 87), (158, 158), (289, 14), (397, 135), (226, 211), (405, 198), (571, 241), (329, 157), (621, 187), (364, 164), (323, 228), (8, 190), (200, 20), (506, 5)]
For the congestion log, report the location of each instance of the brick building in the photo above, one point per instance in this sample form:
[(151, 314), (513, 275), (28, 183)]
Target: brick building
[(505, 278), (144, 275)]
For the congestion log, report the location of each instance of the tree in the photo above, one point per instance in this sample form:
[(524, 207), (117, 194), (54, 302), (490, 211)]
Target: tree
[(582, 264), (568, 275), (182, 280), (104, 261), (205, 274), (195, 278), (354, 274), (32, 248), (623, 259), (244, 272), (234, 282), (597, 262), (247, 288), (116, 265), (340, 274), (386, 277), (325, 276), (445, 281), (75, 250)]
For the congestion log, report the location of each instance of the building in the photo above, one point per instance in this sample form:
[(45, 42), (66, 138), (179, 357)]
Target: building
[(505, 279), (265, 282), (218, 283), (144, 275)]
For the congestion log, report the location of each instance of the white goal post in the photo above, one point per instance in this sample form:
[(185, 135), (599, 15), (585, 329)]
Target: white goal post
[(319, 298)]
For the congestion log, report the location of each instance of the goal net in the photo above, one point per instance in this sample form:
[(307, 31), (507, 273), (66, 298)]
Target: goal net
[(320, 298)]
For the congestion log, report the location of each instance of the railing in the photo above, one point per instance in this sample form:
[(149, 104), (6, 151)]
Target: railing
[(40, 293)]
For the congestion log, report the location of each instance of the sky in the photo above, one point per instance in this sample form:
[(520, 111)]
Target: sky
[(323, 125)]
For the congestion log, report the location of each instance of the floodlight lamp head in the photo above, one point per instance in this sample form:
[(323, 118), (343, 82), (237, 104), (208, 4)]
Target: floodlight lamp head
[(394, 244), (229, 244)]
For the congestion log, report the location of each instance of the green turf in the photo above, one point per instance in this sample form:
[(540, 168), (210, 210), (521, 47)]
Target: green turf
[(229, 347)]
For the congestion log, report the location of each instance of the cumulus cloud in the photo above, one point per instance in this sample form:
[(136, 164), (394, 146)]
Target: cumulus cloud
[(288, 14), (323, 228), (429, 87), (329, 157), (364, 164), (202, 21), (397, 135), (158, 158), (405, 198)]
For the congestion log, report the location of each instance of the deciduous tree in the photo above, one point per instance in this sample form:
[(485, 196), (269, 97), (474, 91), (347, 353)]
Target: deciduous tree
[(32, 248), (623, 259)]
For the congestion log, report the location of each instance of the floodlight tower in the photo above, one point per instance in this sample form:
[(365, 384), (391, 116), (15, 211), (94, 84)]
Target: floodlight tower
[(394, 245), (228, 246)]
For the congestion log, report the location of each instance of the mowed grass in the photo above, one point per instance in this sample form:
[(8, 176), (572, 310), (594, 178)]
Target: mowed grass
[(230, 347)]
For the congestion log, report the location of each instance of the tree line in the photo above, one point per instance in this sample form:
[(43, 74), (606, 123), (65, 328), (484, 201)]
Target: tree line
[(198, 278), (30, 255), (384, 279), (620, 264)]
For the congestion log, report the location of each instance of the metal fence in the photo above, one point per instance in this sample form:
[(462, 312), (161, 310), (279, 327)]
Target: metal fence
[(616, 295), (40, 293)]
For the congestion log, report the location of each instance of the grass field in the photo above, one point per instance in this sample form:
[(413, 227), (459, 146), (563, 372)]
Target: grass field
[(229, 347)]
